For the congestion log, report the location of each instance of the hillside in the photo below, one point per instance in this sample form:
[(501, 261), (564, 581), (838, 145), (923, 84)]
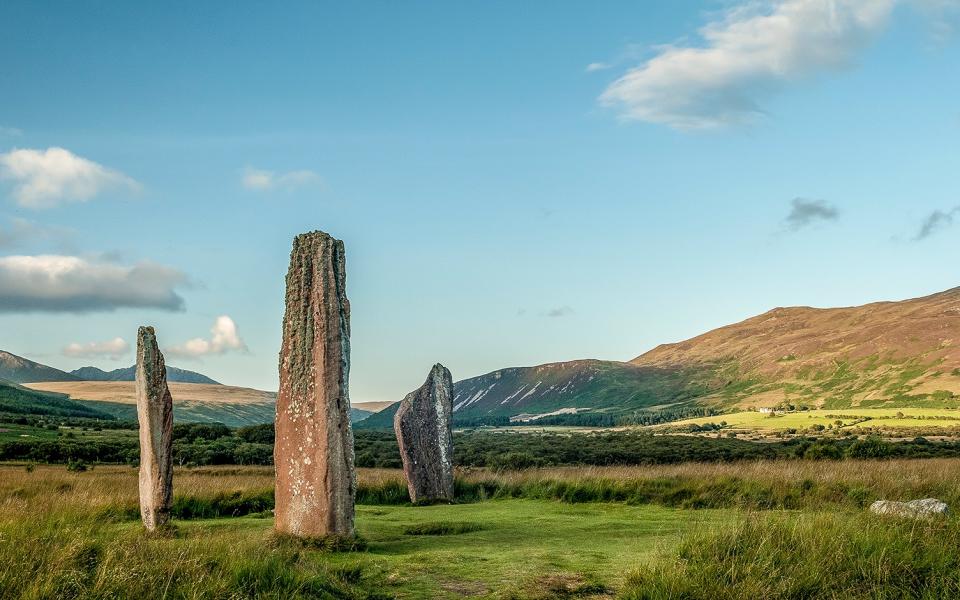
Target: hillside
[(530, 393), (192, 402), (881, 354), (19, 400), (21, 370), (174, 375)]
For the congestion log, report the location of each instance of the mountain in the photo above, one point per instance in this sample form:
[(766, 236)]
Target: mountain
[(174, 374), (579, 386), (880, 354), (20, 370), (903, 353), (19, 400)]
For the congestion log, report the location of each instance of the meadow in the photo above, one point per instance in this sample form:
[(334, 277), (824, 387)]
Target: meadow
[(839, 420), (688, 530)]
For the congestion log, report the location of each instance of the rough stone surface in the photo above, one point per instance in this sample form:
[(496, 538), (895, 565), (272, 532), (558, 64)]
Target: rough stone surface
[(915, 509), (313, 453), (423, 425), (155, 414)]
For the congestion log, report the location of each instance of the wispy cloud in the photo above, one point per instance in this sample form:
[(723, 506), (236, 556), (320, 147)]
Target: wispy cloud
[(935, 221), (259, 179), (113, 349), (751, 51), (47, 178), (55, 283), (804, 212), (559, 311), (598, 66), (10, 131), (223, 338)]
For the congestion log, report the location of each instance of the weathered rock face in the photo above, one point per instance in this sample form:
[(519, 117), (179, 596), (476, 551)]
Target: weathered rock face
[(155, 414), (313, 452), (915, 509), (424, 429)]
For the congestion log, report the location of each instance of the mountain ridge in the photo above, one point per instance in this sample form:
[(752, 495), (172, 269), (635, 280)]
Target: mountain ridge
[(884, 353)]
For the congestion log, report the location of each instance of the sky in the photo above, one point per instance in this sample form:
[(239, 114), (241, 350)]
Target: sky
[(515, 182)]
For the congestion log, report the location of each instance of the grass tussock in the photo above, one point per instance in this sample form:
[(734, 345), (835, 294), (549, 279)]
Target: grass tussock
[(808, 556), (441, 528)]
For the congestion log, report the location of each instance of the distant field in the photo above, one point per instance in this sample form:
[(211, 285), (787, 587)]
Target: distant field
[(849, 418), (198, 402), (373, 407)]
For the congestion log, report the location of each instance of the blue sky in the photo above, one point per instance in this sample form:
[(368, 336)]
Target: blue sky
[(516, 183)]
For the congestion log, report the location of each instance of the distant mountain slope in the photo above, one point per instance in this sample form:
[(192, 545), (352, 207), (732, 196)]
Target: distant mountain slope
[(174, 374), (192, 402), (882, 354), (885, 353), (565, 387), (23, 401), (21, 370)]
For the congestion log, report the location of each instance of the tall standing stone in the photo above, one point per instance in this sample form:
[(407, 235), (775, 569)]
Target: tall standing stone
[(313, 452), (424, 429), (155, 414)]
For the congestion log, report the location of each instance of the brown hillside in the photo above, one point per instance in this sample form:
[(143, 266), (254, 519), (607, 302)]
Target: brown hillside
[(875, 352)]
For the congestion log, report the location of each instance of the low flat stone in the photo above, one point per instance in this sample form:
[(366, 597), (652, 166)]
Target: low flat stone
[(915, 509)]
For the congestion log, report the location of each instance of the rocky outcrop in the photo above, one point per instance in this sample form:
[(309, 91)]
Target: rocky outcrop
[(424, 428), (313, 453), (915, 509), (155, 414)]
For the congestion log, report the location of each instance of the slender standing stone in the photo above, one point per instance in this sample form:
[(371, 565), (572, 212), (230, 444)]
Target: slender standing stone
[(423, 425), (313, 452), (155, 414)]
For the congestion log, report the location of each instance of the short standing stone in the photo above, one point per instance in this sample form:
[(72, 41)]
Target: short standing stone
[(915, 509), (155, 414), (423, 425), (313, 453)]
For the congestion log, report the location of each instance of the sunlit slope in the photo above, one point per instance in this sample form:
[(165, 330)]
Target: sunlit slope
[(192, 402), (882, 354)]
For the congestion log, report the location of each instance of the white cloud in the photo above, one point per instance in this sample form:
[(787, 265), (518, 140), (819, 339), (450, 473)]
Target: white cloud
[(753, 50), (597, 66), (55, 283), (113, 349), (10, 132), (46, 178), (223, 338), (258, 179)]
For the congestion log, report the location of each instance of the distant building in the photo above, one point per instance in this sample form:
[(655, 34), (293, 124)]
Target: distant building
[(766, 410)]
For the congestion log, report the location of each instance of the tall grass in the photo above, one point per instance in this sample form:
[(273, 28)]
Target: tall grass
[(808, 556), (208, 492)]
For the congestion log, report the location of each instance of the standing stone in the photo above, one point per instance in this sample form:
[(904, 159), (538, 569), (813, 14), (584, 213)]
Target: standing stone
[(313, 452), (423, 425), (155, 414)]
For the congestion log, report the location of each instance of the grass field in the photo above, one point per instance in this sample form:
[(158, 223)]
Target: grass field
[(542, 533), (850, 419)]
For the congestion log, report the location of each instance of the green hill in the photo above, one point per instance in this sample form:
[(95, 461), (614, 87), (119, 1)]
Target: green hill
[(23, 401)]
